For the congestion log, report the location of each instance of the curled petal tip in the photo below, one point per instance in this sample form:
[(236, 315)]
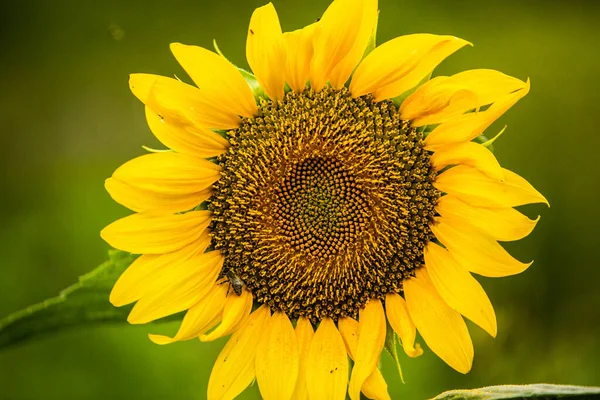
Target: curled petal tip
[(159, 339), (415, 352), (546, 202), (466, 42)]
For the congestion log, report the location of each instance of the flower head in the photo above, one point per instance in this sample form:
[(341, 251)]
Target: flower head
[(305, 208)]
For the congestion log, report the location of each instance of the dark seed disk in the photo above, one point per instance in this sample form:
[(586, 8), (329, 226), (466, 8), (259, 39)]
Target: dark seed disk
[(324, 203)]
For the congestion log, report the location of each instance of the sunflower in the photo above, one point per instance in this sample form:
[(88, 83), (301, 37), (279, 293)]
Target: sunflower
[(306, 207)]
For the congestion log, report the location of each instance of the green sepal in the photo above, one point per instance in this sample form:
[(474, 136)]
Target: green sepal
[(251, 80), (84, 303), (202, 206), (151, 150), (224, 134), (249, 77), (218, 50), (484, 141), (391, 345), (538, 391), (400, 99), (373, 39)]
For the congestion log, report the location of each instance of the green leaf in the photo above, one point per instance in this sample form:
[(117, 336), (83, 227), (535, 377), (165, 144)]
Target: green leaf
[(391, 345), (539, 391), (83, 303)]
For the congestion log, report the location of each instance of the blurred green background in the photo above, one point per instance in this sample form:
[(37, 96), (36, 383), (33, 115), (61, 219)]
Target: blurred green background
[(68, 120)]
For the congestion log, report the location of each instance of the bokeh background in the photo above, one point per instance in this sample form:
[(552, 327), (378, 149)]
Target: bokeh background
[(67, 120)]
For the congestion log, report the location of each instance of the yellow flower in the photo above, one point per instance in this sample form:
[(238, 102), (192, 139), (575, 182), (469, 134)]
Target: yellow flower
[(304, 220)]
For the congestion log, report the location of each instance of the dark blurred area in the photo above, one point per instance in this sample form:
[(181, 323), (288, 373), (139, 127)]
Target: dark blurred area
[(68, 120)]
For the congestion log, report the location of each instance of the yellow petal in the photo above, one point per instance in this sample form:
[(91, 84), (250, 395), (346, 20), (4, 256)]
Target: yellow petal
[(504, 224), (181, 286), (187, 139), (146, 272), (150, 233), (401, 63), (234, 369), (468, 153), (217, 78), (459, 289), (477, 189), (166, 182), (402, 324), (442, 328), (341, 38), (371, 338), (168, 173), (304, 336), (468, 126), (475, 250), (265, 51), (140, 200), (277, 359), (299, 52), (327, 364), (444, 98), (512, 179), (200, 318), (180, 102), (375, 386), (236, 312), (349, 328)]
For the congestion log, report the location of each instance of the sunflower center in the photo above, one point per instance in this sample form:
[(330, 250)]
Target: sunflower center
[(325, 202), (320, 207)]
